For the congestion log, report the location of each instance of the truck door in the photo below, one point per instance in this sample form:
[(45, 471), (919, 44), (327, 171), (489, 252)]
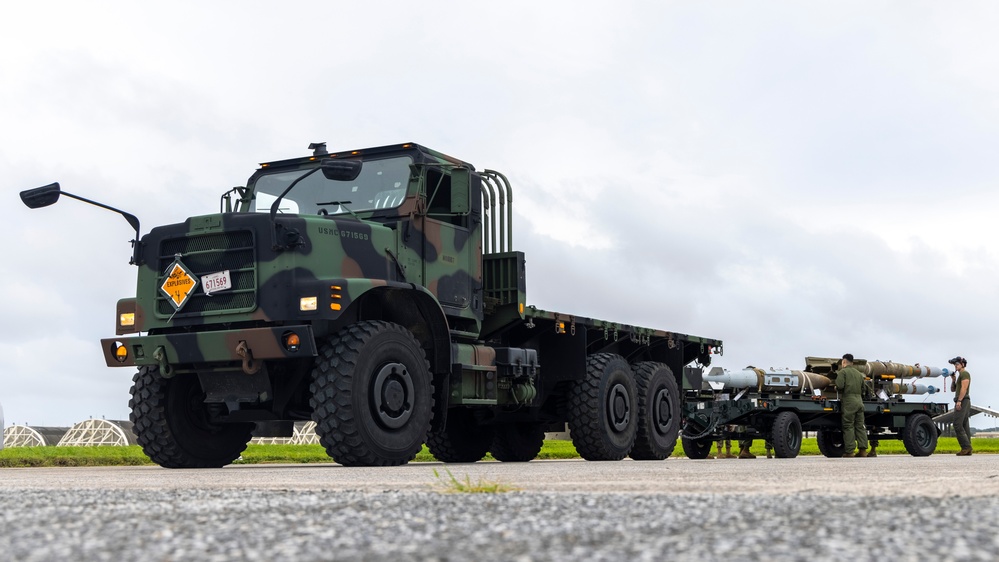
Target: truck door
[(449, 269)]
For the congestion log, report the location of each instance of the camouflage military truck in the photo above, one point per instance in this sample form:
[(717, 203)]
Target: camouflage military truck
[(376, 292)]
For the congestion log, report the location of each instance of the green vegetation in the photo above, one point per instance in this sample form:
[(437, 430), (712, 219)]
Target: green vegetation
[(455, 486), (72, 456), (259, 454)]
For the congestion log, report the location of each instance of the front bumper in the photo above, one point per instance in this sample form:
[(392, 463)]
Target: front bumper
[(209, 347)]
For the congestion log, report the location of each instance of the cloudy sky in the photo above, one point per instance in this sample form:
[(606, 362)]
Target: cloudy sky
[(793, 178)]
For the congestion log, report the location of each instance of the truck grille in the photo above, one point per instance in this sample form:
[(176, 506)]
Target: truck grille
[(212, 253)]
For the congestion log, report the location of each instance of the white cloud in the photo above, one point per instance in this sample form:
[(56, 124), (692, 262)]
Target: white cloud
[(795, 179)]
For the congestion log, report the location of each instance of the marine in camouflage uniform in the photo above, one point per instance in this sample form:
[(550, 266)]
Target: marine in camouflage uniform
[(961, 385), (850, 383)]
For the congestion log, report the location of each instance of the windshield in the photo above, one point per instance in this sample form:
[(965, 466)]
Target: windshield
[(380, 185)]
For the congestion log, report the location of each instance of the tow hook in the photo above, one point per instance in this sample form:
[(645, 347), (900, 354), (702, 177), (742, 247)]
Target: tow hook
[(166, 371), (249, 365)]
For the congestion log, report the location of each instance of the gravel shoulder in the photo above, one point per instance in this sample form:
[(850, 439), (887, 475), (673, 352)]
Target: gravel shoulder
[(896, 508)]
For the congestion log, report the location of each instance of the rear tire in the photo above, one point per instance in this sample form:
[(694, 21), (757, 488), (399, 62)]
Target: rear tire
[(658, 411), (786, 435), (830, 442), (602, 409), (372, 396), (517, 441), (919, 435), (171, 423), (462, 440)]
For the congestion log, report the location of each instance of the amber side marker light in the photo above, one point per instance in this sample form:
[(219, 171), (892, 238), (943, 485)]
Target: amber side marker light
[(120, 351), (292, 341), (335, 296)]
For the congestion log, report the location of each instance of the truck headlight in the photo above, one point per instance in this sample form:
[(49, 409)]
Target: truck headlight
[(129, 317), (308, 304)]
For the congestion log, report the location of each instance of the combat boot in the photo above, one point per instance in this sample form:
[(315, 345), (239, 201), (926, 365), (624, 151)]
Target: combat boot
[(745, 454), (964, 452), (849, 455), (862, 453), (873, 452)]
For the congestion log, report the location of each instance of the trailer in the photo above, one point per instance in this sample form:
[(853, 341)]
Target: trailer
[(777, 406)]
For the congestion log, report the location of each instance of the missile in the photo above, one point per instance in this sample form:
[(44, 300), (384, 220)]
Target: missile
[(914, 388), (774, 380), (900, 371), (879, 369)]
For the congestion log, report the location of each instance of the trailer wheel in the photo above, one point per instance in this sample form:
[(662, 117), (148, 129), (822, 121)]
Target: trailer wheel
[(786, 434), (171, 423), (601, 409), (830, 442), (372, 396), (462, 440), (518, 441), (919, 435), (658, 411), (696, 448)]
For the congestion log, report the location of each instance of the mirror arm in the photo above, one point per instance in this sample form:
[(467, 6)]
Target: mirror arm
[(129, 217)]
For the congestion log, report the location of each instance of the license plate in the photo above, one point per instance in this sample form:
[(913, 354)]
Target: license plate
[(215, 282)]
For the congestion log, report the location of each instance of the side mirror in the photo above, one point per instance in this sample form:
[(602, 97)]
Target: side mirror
[(49, 194), (340, 170), (41, 196)]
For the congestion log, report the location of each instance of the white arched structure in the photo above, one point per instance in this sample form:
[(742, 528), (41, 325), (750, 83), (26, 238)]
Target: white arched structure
[(91, 433), (27, 436), (304, 434)]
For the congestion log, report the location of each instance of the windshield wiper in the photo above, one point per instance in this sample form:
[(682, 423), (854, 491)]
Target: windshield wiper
[(341, 205)]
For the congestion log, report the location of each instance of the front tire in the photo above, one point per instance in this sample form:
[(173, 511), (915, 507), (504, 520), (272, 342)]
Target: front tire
[(696, 448), (372, 395), (658, 411), (919, 435), (786, 435), (602, 409), (172, 424), (830, 442)]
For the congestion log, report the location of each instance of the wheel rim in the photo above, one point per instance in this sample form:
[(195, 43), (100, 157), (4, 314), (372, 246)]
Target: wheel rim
[(662, 411), (618, 407), (393, 394), (923, 437), (793, 437)]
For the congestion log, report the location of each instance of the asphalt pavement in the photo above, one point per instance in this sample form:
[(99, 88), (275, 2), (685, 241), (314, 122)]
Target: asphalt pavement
[(810, 508)]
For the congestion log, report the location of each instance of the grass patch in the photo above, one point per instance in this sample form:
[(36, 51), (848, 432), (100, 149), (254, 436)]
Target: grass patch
[(73, 456), (21, 457), (270, 454), (453, 485)]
